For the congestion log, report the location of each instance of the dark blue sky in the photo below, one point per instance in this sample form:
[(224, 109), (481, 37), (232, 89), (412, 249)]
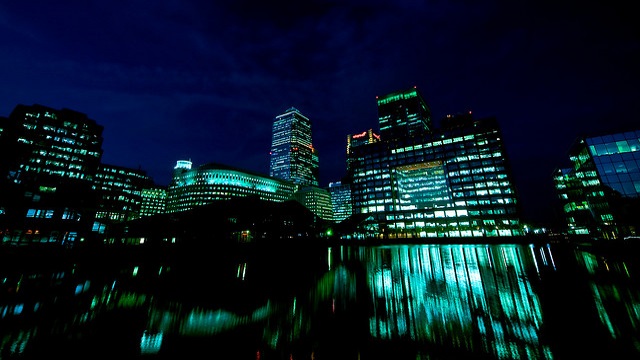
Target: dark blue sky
[(203, 80)]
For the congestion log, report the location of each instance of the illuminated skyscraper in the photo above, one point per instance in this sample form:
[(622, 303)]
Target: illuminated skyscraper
[(293, 157), (402, 114)]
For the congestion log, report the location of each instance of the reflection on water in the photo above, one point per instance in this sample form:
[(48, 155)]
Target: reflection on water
[(382, 302)]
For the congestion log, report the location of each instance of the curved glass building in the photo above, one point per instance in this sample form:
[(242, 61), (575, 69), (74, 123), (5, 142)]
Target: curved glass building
[(192, 187)]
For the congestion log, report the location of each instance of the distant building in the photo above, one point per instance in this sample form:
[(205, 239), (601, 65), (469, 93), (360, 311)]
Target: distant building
[(340, 200), (154, 200), (354, 140), (120, 192), (403, 113), (600, 190), (317, 200), (49, 162), (292, 156), (419, 182), (193, 187)]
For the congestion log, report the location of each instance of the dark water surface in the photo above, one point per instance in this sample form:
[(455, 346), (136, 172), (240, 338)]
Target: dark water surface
[(341, 302)]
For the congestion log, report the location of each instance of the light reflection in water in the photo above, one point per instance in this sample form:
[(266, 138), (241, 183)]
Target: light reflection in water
[(473, 298), (451, 300)]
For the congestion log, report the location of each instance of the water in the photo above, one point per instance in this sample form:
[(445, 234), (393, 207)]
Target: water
[(380, 302)]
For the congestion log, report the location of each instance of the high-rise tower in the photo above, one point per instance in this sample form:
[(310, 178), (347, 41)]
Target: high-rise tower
[(402, 114), (293, 157)]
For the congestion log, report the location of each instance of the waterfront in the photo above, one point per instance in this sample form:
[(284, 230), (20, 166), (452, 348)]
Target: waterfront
[(441, 301)]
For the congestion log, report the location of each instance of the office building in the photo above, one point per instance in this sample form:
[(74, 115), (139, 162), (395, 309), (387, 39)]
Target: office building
[(119, 192), (193, 187), (154, 200), (600, 190), (354, 140), (49, 162), (292, 156), (421, 182), (340, 200), (317, 200), (403, 113)]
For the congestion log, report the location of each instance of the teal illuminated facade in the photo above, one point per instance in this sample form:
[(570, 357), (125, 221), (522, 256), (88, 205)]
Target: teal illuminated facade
[(453, 182), (193, 187), (600, 191), (292, 156)]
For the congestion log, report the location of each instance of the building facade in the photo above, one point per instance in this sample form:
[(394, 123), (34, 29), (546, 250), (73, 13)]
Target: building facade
[(49, 161), (120, 192), (154, 200), (600, 190), (363, 138), (340, 200), (292, 156), (193, 187), (317, 200), (403, 113), (419, 182)]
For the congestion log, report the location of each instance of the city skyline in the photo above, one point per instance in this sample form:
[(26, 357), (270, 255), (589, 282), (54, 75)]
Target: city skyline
[(204, 81)]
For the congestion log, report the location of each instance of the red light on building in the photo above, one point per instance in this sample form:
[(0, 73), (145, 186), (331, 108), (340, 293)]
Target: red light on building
[(357, 136)]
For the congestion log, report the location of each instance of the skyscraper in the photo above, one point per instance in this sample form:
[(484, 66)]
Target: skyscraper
[(363, 138), (293, 157), (403, 113)]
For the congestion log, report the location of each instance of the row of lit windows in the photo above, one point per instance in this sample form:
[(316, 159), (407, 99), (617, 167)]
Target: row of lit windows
[(80, 151), (67, 214), (494, 200), (618, 147)]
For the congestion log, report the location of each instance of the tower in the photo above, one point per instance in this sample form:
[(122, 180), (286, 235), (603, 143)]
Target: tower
[(402, 114), (293, 157)]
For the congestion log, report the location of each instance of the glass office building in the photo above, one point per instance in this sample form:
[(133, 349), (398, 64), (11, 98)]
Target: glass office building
[(120, 192), (600, 191), (193, 187), (419, 183), (363, 138), (292, 156), (340, 200), (403, 113), (154, 200), (49, 161), (317, 200)]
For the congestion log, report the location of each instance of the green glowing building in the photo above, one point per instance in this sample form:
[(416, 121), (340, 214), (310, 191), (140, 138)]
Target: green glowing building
[(600, 190), (422, 182), (193, 187)]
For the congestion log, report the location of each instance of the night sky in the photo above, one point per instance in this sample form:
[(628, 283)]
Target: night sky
[(203, 80)]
